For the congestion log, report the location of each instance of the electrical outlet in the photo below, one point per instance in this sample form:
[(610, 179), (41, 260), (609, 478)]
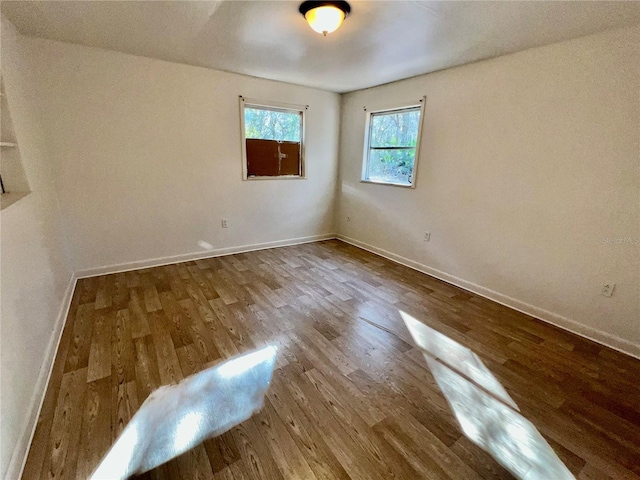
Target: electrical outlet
[(224, 223), (607, 290), (427, 236)]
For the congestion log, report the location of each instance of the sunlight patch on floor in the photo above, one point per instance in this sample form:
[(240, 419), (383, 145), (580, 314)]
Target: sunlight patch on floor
[(488, 416)]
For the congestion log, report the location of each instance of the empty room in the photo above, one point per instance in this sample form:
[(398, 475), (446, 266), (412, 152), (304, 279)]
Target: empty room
[(320, 239)]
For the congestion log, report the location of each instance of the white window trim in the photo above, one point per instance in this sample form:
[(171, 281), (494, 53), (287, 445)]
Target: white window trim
[(284, 107), (365, 158)]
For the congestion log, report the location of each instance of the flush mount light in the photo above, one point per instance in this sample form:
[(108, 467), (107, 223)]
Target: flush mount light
[(324, 17)]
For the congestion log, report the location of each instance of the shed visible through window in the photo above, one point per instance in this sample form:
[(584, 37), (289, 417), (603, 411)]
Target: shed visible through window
[(272, 141)]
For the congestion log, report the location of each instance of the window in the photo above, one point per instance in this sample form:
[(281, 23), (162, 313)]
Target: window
[(391, 145), (272, 142)]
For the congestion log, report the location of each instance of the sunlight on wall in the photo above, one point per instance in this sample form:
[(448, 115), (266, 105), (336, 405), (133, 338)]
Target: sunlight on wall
[(205, 245)]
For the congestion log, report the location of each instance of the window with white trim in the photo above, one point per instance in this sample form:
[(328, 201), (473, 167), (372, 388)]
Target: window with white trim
[(392, 141), (272, 140)]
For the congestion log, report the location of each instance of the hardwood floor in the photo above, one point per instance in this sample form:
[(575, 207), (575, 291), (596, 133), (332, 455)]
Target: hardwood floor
[(351, 396)]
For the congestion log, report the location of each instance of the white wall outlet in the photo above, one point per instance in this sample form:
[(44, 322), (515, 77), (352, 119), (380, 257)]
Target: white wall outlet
[(607, 290), (427, 236), (224, 223)]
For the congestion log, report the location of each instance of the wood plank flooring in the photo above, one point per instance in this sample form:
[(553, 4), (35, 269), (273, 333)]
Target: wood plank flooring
[(351, 396)]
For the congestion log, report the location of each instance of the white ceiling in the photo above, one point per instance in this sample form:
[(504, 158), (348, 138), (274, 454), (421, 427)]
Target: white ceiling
[(380, 42)]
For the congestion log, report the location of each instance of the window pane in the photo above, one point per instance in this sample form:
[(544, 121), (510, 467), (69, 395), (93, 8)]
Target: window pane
[(394, 129), (272, 124), (393, 166)]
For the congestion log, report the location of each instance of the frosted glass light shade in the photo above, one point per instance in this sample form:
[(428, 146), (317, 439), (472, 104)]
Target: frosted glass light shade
[(325, 19), (325, 16)]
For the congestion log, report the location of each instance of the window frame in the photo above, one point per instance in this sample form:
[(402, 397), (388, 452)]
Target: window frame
[(367, 148), (279, 107)]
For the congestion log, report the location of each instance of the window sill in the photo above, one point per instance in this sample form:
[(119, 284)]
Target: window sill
[(278, 177), (401, 185)]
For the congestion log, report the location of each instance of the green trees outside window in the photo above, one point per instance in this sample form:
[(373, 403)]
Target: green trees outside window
[(268, 124), (392, 141)]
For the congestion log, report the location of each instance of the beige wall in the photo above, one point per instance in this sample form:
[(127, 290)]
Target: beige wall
[(528, 163), (148, 157), (35, 273)]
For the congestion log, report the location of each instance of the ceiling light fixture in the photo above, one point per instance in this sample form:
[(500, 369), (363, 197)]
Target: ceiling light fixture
[(324, 17)]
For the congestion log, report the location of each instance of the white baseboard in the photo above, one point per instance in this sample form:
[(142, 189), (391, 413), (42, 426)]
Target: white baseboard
[(20, 451), (560, 321), (187, 257)]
